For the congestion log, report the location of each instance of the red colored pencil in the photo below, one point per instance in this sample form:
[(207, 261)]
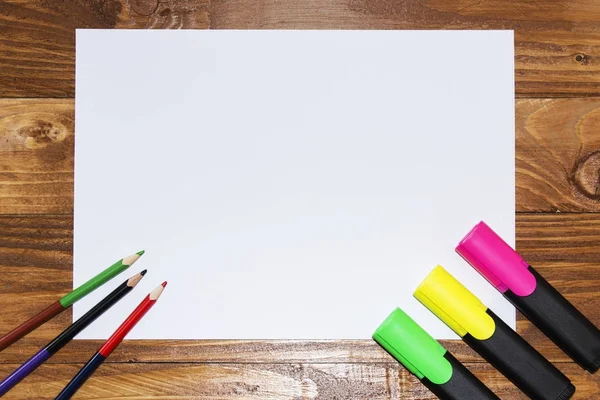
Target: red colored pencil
[(112, 342), (67, 300), (131, 321)]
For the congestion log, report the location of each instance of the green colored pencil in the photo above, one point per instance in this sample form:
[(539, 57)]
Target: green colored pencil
[(68, 300)]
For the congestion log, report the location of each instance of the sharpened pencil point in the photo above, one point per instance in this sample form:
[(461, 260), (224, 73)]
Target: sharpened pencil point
[(129, 260), (141, 252), (155, 294), (134, 280)]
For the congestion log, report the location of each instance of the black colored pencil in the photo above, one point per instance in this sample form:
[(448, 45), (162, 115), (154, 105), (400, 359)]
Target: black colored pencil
[(111, 344), (68, 300), (68, 334)]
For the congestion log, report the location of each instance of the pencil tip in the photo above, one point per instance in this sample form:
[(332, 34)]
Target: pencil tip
[(141, 252), (164, 284), (155, 294), (134, 280), (129, 260)]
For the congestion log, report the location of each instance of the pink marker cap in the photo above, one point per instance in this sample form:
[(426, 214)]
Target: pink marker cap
[(496, 261)]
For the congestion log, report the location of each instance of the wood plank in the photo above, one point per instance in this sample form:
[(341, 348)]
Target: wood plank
[(556, 54), (287, 381), (552, 45), (561, 238), (36, 156), (563, 247), (557, 156), (37, 37)]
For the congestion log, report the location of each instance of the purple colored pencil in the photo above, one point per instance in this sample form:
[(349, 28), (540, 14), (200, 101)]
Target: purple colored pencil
[(23, 371), (65, 337)]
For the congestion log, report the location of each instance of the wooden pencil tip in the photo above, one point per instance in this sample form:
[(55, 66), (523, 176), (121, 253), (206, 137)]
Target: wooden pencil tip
[(141, 252), (155, 294), (129, 260), (134, 280), (164, 284)]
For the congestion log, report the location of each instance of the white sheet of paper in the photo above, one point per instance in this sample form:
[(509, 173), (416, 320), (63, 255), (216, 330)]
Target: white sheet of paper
[(288, 184)]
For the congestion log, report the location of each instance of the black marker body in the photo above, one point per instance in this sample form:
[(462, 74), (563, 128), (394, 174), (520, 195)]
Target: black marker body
[(463, 385), (512, 356), (561, 322)]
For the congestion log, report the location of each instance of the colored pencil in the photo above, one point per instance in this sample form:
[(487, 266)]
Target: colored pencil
[(65, 337), (68, 300), (112, 342)]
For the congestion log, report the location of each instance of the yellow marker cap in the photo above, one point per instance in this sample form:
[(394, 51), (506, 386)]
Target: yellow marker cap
[(454, 304)]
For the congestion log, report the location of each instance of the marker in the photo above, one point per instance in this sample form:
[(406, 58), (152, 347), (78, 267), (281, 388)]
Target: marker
[(423, 356), (532, 295), (489, 336)]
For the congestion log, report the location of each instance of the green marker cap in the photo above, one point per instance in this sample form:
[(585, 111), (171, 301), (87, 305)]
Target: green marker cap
[(414, 348)]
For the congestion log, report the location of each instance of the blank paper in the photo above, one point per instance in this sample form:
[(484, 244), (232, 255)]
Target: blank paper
[(288, 184)]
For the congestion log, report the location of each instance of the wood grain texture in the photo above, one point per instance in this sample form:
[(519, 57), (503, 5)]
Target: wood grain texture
[(36, 156), (37, 37), (557, 155), (557, 43), (565, 248), (285, 381), (557, 48)]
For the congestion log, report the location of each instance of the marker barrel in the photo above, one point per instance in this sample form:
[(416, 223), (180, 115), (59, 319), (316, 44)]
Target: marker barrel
[(532, 295), (495, 341), (423, 356), (561, 322), (463, 385), (512, 356)]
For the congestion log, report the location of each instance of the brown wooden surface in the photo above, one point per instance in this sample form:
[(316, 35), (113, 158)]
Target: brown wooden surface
[(557, 155), (557, 45), (267, 381), (565, 248), (557, 42)]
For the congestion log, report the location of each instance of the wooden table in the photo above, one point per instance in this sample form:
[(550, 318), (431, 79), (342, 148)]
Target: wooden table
[(557, 68)]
